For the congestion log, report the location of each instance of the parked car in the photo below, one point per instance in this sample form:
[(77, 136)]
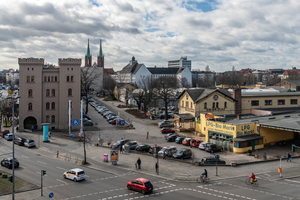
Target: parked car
[(75, 174), (4, 132), (29, 143), (213, 148), (119, 143), (167, 130), (151, 150), (169, 134), (183, 153), (7, 162), (8, 136), (131, 145), (172, 138), (195, 143), (161, 117), (186, 141), (203, 145), (114, 120), (168, 151), (107, 113), (210, 160), (179, 140), (166, 124), (111, 117), (88, 123), (141, 185), (20, 141), (143, 147)]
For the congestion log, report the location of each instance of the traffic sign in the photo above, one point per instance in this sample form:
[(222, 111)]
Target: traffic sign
[(51, 195), (148, 114), (75, 122), (122, 122)]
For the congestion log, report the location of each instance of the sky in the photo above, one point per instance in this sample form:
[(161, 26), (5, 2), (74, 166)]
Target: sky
[(256, 34)]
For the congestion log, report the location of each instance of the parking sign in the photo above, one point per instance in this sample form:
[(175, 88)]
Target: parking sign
[(122, 122), (75, 122)]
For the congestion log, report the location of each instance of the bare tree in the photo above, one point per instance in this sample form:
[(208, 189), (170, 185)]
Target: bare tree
[(147, 87), (138, 95), (166, 90), (109, 85), (87, 140), (185, 83), (88, 77)]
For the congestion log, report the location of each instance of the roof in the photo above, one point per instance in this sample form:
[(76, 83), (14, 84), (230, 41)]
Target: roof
[(142, 180), (186, 116), (132, 67), (294, 82), (165, 70), (258, 94), (248, 137), (108, 71)]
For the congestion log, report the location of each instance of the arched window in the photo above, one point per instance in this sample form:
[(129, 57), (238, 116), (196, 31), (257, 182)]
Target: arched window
[(68, 78), (191, 105), (47, 106), (53, 105), (47, 93), (45, 78), (225, 104), (55, 78), (53, 119), (53, 92), (32, 79), (28, 79), (30, 93), (217, 105), (48, 78), (30, 106), (52, 79), (47, 119), (205, 105), (72, 77), (69, 92), (213, 106)]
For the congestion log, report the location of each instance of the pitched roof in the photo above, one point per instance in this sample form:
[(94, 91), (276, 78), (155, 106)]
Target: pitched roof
[(165, 70), (131, 68), (108, 71), (294, 82)]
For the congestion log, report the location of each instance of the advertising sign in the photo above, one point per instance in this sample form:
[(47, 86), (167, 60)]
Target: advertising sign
[(114, 156)]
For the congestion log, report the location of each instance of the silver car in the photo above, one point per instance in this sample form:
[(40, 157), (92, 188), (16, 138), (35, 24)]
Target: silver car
[(29, 143)]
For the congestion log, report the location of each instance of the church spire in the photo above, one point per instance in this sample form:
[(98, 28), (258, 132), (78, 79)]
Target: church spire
[(100, 51), (88, 50)]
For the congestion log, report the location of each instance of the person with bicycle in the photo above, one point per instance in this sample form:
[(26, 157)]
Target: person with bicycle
[(204, 175), (252, 178)]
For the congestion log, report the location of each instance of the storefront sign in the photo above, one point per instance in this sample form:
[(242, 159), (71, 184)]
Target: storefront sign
[(246, 129), (198, 120)]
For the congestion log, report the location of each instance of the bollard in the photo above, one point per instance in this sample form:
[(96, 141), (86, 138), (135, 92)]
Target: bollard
[(57, 154), (147, 135)]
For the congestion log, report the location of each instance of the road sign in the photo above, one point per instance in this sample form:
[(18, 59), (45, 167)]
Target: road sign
[(51, 195), (122, 122), (148, 114), (75, 122)]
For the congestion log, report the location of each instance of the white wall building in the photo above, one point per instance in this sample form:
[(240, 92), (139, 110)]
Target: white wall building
[(183, 62)]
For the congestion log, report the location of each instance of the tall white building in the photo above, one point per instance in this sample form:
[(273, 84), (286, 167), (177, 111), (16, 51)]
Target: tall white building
[(183, 62)]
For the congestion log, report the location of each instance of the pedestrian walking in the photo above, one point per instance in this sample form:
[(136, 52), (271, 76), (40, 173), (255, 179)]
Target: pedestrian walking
[(156, 167), (121, 149), (139, 162), (164, 158), (289, 158)]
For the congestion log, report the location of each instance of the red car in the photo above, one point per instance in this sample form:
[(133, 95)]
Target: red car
[(195, 143), (141, 185), (4, 132), (167, 130), (187, 141)]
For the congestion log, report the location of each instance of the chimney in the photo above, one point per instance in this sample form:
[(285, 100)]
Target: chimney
[(155, 66), (237, 94)]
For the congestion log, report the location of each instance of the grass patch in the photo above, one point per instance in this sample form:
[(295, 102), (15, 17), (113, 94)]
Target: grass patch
[(20, 184), (155, 124)]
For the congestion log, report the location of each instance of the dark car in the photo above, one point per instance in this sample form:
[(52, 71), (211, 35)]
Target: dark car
[(130, 145), (143, 147), (119, 143), (213, 148), (166, 124), (161, 117), (88, 123), (7, 162), (20, 141), (168, 135), (179, 140), (141, 185), (152, 149), (4, 132), (172, 138), (183, 153), (167, 130), (210, 160)]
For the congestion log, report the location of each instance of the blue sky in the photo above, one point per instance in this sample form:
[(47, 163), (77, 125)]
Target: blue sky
[(220, 33)]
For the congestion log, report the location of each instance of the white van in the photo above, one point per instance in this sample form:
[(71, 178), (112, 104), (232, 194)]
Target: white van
[(75, 174)]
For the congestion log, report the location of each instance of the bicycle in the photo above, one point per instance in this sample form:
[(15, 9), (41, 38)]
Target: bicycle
[(203, 179), (254, 183)]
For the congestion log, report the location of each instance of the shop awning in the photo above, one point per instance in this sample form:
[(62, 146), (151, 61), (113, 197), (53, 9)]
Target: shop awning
[(248, 137)]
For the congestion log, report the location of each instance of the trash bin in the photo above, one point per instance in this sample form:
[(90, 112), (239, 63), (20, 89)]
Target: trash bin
[(105, 158)]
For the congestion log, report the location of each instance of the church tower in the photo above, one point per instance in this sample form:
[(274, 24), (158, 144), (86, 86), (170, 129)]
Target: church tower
[(88, 56), (100, 60)]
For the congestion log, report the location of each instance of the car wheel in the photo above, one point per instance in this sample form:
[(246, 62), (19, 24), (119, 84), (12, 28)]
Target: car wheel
[(128, 187), (65, 177), (75, 180), (1, 164), (143, 192)]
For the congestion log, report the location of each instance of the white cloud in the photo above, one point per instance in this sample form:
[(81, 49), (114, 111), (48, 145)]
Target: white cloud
[(243, 33)]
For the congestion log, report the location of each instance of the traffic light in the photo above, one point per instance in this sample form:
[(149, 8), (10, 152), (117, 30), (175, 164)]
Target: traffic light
[(10, 178), (43, 172), (293, 148)]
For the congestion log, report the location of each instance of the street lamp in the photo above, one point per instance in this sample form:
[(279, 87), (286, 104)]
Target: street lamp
[(13, 143)]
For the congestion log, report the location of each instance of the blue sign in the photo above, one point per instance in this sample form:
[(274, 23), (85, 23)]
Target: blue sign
[(122, 123), (51, 195), (75, 122)]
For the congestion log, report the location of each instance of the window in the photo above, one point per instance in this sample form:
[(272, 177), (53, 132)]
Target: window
[(281, 102), (55, 78), (69, 92), (217, 105), (30, 106), (47, 106), (72, 77), (68, 69), (72, 68), (213, 106), (187, 104), (225, 104), (205, 105), (255, 103), (28, 79), (53, 105), (28, 69), (32, 69), (47, 119), (45, 78), (47, 93), (52, 79), (53, 92), (30, 93), (268, 102), (191, 105), (32, 79), (53, 119), (48, 78), (294, 101), (182, 103), (68, 78)]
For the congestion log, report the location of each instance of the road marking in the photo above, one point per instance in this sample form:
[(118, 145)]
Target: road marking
[(292, 181), (62, 181), (25, 156), (41, 162), (61, 168)]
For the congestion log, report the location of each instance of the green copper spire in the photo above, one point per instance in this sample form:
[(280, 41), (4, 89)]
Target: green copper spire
[(100, 51), (88, 50)]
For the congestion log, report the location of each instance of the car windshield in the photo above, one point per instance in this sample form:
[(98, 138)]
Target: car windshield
[(180, 152), (148, 184), (81, 172), (119, 142)]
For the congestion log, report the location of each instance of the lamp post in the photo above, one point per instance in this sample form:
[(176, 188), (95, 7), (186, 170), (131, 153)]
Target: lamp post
[(13, 143)]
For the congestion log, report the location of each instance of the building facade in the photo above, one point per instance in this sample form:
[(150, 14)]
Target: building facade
[(182, 62), (45, 92)]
